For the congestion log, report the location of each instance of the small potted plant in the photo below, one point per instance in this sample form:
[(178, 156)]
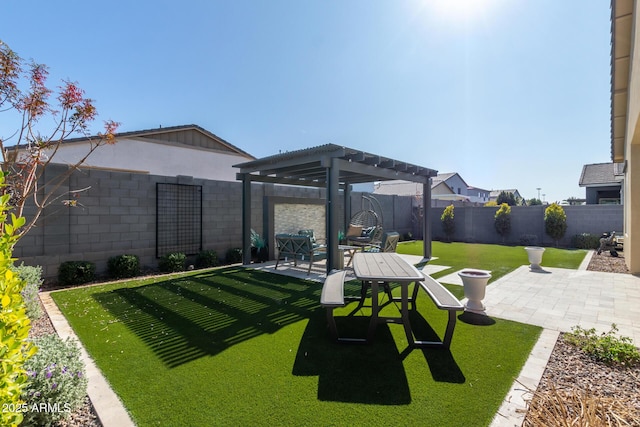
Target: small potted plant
[(474, 283), (258, 248)]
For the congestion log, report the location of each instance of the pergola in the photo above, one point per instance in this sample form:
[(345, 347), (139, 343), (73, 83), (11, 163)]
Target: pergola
[(335, 168)]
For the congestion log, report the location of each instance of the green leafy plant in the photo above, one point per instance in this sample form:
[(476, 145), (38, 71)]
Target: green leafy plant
[(122, 266), (555, 222), (585, 241), (206, 259), (72, 273), (605, 347), (32, 276), (528, 240), (448, 224), (233, 255), (15, 350), (502, 220), (506, 197), (172, 262), (57, 378), (258, 247)]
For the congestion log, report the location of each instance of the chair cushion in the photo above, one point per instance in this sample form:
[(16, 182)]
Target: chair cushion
[(354, 230)]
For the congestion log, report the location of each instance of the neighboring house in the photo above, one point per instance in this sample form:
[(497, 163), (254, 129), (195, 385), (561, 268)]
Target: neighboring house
[(478, 195), (445, 186), (493, 196), (603, 183), (187, 150), (625, 117)]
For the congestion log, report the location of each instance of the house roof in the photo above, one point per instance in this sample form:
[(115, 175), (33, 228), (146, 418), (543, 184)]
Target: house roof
[(184, 134), (622, 23), (446, 176), (496, 193), (478, 189), (598, 174)]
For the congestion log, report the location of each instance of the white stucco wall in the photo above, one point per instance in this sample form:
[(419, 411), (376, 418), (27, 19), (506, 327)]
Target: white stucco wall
[(156, 158)]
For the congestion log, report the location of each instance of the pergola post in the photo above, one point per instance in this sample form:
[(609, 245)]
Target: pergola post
[(347, 206), (332, 212), (246, 218), (426, 220)]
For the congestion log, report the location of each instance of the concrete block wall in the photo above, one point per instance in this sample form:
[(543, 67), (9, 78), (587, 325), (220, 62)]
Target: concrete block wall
[(117, 215), (476, 224)]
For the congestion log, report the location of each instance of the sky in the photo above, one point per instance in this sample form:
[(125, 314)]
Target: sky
[(507, 93)]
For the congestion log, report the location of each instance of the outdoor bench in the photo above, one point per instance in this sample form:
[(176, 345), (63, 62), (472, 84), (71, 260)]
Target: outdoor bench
[(332, 296), (298, 246), (444, 300)]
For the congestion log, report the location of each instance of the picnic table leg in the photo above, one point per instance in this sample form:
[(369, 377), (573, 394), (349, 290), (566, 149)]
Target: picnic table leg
[(404, 292), (373, 323)]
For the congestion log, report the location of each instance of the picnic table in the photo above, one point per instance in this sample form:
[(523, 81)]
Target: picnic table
[(383, 267)]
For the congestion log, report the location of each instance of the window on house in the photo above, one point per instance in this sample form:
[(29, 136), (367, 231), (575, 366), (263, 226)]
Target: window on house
[(178, 218)]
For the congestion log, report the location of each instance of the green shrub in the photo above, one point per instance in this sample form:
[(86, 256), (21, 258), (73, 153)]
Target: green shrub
[(448, 224), (172, 262), (528, 240), (15, 349), (71, 273), (506, 197), (555, 222), (206, 259), (57, 378), (605, 347), (122, 266), (502, 220), (33, 279), (585, 241), (234, 255)]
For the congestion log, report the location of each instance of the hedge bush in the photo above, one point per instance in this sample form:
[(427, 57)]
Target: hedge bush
[(502, 220), (172, 262), (555, 222), (529, 240), (206, 259), (33, 279), (71, 273), (234, 255), (122, 266), (14, 322), (57, 378), (585, 241), (448, 223)]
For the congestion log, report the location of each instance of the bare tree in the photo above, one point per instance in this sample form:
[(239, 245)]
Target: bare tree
[(28, 150)]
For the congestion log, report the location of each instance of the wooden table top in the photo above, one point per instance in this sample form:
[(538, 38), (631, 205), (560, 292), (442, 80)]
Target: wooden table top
[(384, 266)]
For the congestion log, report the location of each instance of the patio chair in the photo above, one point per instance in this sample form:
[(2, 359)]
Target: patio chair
[(389, 243), (312, 236)]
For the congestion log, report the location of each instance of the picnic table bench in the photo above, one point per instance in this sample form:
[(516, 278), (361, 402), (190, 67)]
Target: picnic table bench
[(444, 300), (332, 296)]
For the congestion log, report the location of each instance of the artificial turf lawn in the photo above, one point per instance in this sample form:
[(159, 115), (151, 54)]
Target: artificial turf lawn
[(237, 346)]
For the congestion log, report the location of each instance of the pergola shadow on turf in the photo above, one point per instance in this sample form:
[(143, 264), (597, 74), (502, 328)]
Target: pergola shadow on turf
[(335, 168), (183, 319)]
